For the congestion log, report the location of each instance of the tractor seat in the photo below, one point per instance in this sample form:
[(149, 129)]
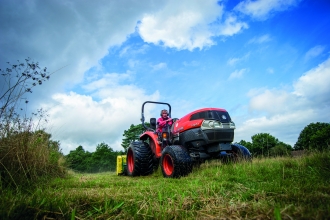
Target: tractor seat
[(153, 123)]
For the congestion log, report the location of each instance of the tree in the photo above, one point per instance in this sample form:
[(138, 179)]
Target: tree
[(266, 145), (78, 159), (281, 149), (314, 136), (104, 158), (132, 134), (262, 143)]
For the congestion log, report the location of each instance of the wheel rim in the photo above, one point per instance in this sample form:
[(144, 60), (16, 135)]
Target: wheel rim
[(168, 165), (130, 161)]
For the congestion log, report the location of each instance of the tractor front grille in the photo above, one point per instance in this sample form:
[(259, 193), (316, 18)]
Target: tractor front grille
[(209, 136), (225, 135)]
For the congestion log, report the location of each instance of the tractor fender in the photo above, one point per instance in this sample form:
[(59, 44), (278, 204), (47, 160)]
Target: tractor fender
[(153, 142)]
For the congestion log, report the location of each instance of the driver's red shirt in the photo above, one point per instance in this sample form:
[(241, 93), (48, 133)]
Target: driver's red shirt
[(161, 122)]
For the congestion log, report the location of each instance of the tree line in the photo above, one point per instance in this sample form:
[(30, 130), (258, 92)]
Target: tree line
[(264, 144), (103, 159)]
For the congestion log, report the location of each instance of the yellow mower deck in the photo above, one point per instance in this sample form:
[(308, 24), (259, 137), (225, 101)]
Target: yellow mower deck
[(121, 165)]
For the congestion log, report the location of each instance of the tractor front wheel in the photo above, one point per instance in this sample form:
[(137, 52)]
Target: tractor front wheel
[(175, 162), (139, 159)]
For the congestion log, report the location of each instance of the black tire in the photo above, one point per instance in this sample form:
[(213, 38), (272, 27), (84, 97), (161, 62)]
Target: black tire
[(241, 153), (175, 162), (139, 159)]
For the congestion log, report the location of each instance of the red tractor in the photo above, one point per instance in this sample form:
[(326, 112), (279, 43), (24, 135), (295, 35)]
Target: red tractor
[(201, 135)]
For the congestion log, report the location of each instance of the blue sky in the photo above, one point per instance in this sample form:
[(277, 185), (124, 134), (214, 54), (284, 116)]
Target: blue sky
[(266, 62)]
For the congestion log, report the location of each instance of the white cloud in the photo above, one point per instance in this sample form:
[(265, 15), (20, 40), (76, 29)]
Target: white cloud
[(231, 26), (315, 84), (188, 25), (181, 24), (314, 52), (260, 40), (270, 70), (285, 126), (132, 63), (261, 9), (134, 50), (283, 110), (273, 101), (237, 74), (191, 63), (235, 60), (159, 66), (80, 120), (311, 89), (124, 51), (108, 80)]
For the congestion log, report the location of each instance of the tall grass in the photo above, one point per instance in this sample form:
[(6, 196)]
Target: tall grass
[(27, 156), (276, 188)]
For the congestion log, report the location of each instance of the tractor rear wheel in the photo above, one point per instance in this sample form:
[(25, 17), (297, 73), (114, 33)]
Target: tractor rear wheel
[(139, 159), (241, 153), (175, 162)]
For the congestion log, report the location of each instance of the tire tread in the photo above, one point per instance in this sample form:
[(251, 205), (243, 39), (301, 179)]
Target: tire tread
[(181, 159), (143, 159)]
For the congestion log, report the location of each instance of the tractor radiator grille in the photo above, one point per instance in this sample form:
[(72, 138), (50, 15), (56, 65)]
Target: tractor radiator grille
[(220, 135)]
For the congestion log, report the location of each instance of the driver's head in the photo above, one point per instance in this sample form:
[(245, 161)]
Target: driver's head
[(164, 113)]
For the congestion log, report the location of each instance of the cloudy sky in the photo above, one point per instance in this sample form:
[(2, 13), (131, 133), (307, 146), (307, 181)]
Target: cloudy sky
[(265, 61)]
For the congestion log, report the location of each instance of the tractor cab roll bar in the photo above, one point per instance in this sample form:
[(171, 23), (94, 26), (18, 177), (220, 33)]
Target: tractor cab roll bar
[(142, 113)]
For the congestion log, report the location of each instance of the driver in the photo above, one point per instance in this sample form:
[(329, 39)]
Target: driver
[(163, 120)]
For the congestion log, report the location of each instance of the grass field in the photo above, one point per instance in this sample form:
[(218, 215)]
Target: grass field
[(276, 188)]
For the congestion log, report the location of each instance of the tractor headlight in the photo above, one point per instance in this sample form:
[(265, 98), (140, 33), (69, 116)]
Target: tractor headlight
[(211, 124), (232, 125), (165, 135), (218, 124), (207, 125)]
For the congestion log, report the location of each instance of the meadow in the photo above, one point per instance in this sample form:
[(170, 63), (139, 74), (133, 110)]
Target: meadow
[(266, 188)]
